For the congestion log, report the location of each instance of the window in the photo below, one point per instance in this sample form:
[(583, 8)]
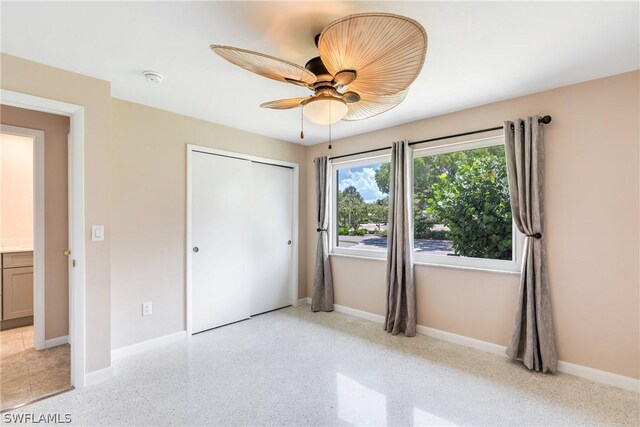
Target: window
[(461, 208), (462, 213), (360, 210)]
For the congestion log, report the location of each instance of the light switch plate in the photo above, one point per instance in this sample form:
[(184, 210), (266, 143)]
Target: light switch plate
[(97, 233), (147, 309)]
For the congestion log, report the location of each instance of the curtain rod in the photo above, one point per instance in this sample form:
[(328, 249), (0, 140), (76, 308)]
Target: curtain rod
[(544, 120)]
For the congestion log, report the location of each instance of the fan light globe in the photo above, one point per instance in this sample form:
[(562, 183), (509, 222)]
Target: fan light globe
[(325, 110)]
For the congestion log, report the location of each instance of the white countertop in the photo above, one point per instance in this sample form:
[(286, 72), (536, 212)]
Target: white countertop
[(11, 249)]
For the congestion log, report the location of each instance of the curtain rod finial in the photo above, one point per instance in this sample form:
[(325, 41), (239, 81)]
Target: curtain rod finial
[(546, 120)]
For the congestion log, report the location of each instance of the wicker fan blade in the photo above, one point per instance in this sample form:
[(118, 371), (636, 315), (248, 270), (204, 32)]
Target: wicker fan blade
[(386, 51), (372, 105), (284, 104), (265, 65)]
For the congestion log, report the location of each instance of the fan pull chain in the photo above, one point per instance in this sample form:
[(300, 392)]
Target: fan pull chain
[(330, 127), (301, 124)]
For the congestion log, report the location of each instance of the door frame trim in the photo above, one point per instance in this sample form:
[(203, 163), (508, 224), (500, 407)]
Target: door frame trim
[(296, 219), (39, 248), (77, 292)]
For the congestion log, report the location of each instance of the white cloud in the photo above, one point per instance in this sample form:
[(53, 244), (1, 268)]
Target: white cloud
[(364, 179)]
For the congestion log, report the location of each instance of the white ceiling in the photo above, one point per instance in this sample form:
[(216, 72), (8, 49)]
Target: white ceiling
[(478, 52)]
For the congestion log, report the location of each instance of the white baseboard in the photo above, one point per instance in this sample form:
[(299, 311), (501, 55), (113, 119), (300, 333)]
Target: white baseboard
[(99, 376), (599, 376), (54, 342), (486, 346), (359, 313), (586, 372), (141, 347)]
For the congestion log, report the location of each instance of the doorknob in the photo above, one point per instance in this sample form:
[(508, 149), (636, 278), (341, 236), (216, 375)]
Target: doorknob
[(289, 242), (66, 252), (195, 249)]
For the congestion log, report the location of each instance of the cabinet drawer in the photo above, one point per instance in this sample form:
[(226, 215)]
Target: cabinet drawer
[(17, 259)]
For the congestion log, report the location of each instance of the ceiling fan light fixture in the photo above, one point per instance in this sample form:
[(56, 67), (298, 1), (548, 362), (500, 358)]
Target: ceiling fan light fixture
[(325, 110), (366, 63)]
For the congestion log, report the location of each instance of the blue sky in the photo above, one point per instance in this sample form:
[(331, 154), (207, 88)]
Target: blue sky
[(364, 179)]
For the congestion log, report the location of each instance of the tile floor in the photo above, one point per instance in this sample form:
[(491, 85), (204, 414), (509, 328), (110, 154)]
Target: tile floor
[(27, 374), (294, 367)]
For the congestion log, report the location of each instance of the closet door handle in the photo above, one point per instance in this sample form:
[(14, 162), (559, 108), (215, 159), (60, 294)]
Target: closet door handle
[(289, 242), (195, 249)]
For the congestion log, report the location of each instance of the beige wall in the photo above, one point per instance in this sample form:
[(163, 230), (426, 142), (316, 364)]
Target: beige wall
[(56, 129), (16, 191), (149, 212), (592, 213), (94, 95), (592, 210)]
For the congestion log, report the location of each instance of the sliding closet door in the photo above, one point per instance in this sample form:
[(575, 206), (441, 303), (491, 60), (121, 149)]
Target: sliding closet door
[(221, 205), (272, 203)]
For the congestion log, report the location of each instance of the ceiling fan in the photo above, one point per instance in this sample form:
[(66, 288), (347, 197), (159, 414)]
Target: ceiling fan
[(367, 62)]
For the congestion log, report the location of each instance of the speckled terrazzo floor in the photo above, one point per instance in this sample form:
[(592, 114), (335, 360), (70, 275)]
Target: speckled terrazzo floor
[(27, 374), (294, 367)]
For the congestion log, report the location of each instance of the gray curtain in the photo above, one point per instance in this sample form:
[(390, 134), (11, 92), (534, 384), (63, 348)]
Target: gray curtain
[(532, 339), (401, 292), (322, 281)]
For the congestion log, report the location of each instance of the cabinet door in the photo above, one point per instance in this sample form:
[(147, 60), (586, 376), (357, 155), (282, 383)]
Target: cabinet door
[(17, 292)]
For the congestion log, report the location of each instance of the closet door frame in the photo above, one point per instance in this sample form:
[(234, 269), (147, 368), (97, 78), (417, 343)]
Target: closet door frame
[(295, 215)]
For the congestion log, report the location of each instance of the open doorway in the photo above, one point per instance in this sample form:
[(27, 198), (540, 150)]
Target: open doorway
[(34, 241), (76, 148)]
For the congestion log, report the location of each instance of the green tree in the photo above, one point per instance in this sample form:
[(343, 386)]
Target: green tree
[(378, 212), (351, 208), (429, 170), (472, 199), (382, 178), (425, 172)]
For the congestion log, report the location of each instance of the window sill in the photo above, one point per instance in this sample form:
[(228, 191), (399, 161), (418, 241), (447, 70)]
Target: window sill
[(462, 267), (364, 257), (428, 264)]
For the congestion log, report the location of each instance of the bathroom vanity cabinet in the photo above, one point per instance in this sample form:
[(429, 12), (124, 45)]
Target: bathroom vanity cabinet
[(17, 285)]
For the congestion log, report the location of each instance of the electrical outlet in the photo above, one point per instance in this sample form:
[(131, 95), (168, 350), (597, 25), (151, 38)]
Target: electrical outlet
[(147, 309)]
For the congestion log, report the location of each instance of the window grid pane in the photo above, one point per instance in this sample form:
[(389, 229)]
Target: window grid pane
[(461, 205), (362, 206)]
